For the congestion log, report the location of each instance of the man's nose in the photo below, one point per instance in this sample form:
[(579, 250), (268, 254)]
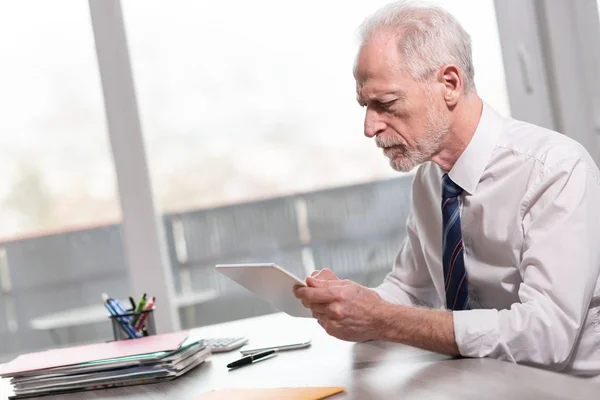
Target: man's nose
[(373, 123)]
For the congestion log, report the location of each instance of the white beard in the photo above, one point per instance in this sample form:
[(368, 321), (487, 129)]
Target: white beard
[(403, 159)]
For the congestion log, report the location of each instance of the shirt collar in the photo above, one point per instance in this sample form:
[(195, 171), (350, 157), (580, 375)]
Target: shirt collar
[(469, 167)]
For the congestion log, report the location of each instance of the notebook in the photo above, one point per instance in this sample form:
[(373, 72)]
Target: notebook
[(130, 362), (110, 378), (94, 352)]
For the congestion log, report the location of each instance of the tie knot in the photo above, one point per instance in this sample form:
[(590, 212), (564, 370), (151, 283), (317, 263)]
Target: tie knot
[(449, 188)]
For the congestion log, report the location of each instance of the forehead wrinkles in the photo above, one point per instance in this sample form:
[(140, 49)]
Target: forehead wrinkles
[(379, 70)]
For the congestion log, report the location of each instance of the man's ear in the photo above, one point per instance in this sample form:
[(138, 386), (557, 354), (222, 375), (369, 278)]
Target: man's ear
[(451, 78)]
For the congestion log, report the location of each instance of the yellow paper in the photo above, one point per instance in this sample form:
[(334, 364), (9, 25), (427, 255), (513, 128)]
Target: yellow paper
[(300, 393)]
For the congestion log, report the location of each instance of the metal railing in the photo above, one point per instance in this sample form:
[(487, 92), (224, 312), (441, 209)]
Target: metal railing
[(354, 230)]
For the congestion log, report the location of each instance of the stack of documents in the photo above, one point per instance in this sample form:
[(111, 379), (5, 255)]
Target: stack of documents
[(122, 363)]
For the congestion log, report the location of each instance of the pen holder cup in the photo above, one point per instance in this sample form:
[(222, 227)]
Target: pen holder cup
[(147, 328)]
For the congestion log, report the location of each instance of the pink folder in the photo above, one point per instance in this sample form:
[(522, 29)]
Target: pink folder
[(93, 352)]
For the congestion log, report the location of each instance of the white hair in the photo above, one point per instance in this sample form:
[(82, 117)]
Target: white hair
[(429, 37)]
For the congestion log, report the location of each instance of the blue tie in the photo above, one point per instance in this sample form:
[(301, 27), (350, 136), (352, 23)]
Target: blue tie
[(455, 277)]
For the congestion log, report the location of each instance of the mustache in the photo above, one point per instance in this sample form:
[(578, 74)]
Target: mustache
[(383, 142)]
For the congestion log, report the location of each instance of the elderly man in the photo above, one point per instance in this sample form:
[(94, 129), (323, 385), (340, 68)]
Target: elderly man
[(502, 254)]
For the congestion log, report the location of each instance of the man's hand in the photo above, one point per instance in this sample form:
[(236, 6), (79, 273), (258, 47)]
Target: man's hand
[(355, 313), (324, 274), (343, 308)]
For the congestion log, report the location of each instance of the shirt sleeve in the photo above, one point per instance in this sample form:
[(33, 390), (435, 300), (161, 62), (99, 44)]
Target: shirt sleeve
[(559, 266), (410, 281)]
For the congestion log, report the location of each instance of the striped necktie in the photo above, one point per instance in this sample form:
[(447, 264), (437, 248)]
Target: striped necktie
[(455, 277)]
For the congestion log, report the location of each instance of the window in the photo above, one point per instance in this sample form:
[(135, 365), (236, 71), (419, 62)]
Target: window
[(52, 126), (260, 102), (249, 115), (60, 247)]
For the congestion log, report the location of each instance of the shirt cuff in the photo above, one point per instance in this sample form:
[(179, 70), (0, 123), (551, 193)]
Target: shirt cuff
[(476, 332)]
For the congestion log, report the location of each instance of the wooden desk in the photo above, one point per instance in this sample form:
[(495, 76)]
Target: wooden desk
[(372, 370)]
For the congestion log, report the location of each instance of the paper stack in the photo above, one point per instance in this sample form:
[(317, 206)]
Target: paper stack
[(150, 359)]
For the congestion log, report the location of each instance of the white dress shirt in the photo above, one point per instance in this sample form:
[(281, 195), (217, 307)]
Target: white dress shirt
[(530, 215)]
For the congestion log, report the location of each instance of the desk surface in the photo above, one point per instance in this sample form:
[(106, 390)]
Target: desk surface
[(371, 370)]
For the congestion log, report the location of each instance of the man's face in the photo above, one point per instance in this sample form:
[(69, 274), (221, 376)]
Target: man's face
[(406, 117)]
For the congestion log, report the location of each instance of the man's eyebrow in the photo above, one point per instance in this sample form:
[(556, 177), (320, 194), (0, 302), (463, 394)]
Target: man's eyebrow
[(398, 93), (377, 97)]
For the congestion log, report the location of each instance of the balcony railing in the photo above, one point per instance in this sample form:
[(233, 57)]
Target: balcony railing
[(354, 230)]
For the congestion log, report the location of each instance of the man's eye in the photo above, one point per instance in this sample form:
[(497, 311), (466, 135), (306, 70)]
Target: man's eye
[(386, 105)]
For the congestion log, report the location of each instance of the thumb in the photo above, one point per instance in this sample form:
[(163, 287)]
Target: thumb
[(321, 283), (325, 273)]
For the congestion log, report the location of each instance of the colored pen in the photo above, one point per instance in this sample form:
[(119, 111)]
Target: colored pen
[(123, 322), (251, 358), (142, 320), (140, 307), (132, 304), (125, 319), (112, 311), (120, 309)]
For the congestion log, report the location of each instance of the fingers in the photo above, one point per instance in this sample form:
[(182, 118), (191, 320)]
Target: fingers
[(324, 274), (318, 316), (318, 309), (322, 283), (332, 311), (306, 304), (296, 287), (328, 311), (319, 295), (328, 325)]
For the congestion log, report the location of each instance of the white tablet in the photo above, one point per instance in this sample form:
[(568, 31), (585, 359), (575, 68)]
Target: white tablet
[(271, 282)]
